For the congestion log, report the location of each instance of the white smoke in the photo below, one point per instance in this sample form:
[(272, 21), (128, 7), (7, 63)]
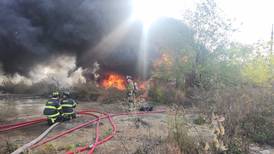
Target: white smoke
[(16, 78), (55, 71)]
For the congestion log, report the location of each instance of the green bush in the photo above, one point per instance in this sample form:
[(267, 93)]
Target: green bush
[(235, 147), (259, 128), (166, 95)]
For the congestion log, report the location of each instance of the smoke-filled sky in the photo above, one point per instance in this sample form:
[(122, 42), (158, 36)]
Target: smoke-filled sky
[(34, 31)]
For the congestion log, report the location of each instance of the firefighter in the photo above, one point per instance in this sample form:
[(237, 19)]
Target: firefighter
[(53, 108), (68, 104), (135, 89), (130, 93)]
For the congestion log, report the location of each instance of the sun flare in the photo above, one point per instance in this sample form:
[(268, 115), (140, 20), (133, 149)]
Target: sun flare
[(147, 11)]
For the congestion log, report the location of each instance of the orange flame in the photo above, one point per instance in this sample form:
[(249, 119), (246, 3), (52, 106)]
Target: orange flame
[(114, 80)]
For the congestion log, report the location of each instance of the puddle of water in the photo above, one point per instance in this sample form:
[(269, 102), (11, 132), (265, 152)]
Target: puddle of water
[(21, 108)]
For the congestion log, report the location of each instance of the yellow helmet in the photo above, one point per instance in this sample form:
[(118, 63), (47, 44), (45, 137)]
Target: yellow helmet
[(55, 94)]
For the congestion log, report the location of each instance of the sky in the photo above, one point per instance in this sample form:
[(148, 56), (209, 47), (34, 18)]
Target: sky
[(252, 18)]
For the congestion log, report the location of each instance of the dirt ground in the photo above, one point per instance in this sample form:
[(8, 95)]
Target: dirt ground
[(132, 131), (135, 134)]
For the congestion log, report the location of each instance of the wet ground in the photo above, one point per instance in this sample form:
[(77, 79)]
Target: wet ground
[(18, 109)]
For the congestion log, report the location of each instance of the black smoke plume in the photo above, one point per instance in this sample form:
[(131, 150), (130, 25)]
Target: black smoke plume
[(34, 31)]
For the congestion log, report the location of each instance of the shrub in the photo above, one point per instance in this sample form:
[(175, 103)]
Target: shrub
[(112, 95), (180, 136), (236, 146), (248, 111), (87, 91), (39, 88), (259, 128), (166, 95)]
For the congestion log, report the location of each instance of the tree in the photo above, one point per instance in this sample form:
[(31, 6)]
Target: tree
[(211, 32), (210, 27), (176, 44)]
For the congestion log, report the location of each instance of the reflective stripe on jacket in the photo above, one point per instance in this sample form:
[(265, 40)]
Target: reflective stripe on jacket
[(67, 105), (52, 107)]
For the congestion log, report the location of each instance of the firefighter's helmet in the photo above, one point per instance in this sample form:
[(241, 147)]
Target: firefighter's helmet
[(66, 93), (55, 94)]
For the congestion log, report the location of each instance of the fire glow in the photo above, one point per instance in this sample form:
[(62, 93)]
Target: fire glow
[(143, 85), (113, 80)]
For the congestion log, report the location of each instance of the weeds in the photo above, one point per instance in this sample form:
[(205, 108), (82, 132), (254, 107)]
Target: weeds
[(166, 95), (47, 149), (199, 120), (179, 136), (87, 91), (112, 95), (248, 112), (259, 128), (8, 148)]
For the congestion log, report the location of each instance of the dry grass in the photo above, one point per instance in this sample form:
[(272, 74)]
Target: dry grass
[(239, 105), (7, 147), (180, 137), (112, 95), (87, 91), (47, 149)]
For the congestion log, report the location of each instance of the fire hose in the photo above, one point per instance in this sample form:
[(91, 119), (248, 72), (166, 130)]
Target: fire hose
[(90, 122), (36, 140), (4, 128), (9, 127), (84, 112), (97, 142)]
